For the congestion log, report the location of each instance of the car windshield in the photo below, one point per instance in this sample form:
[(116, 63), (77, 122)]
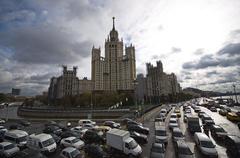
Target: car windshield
[(161, 133), (219, 130), (22, 139), (173, 121), (177, 134), (207, 144), (75, 153), (75, 140), (157, 149), (48, 142), (10, 146), (133, 144), (185, 151)]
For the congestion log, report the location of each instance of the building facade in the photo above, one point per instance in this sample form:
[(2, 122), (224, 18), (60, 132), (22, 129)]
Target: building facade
[(156, 84), (115, 71), (68, 84)]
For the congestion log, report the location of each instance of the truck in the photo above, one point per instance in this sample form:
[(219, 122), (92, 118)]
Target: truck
[(193, 124), (119, 141)]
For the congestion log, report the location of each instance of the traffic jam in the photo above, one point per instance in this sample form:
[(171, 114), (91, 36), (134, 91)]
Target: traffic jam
[(176, 130)]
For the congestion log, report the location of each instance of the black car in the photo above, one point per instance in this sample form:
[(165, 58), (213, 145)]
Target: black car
[(94, 151), (213, 109), (139, 129), (182, 150), (15, 126), (69, 133), (91, 136), (52, 129), (112, 124), (124, 121), (233, 146), (56, 138), (139, 138), (129, 123), (24, 123), (223, 112), (29, 153), (218, 132), (157, 150)]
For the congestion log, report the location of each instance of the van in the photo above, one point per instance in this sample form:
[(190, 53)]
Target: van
[(18, 137), (86, 121), (42, 142)]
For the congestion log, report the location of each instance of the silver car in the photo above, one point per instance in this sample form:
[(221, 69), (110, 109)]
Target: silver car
[(173, 123), (8, 149), (177, 134), (161, 135)]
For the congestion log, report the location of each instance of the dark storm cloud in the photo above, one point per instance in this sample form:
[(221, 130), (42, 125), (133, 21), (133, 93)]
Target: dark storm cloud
[(212, 61), (231, 49), (44, 45)]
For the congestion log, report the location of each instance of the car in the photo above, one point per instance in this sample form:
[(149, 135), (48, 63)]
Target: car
[(125, 120), (8, 149), (91, 136), (139, 138), (15, 126), (223, 112), (163, 114), (200, 114), (112, 124), (139, 129), (173, 115), (228, 110), (18, 137), (232, 144), (70, 133), (129, 123), (72, 142), (30, 153), (197, 109), (207, 119), (213, 109), (161, 135), (205, 145), (182, 150), (52, 129), (77, 129), (187, 111), (157, 150), (86, 121), (24, 123), (218, 132), (177, 111), (233, 116), (71, 152), (88, 126), (173, 123), (177, 134), (94, 151), (2, 121), (56, 138)]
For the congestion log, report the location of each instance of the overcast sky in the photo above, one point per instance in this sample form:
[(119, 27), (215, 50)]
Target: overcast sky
[(198, 40)]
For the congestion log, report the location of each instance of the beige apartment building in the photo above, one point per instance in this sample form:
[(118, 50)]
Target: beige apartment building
[(116, 71)]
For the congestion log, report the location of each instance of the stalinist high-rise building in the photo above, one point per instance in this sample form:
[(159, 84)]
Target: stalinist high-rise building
[(116, 71)]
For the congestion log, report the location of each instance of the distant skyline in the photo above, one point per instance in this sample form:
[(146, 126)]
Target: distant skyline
[(197, 40)]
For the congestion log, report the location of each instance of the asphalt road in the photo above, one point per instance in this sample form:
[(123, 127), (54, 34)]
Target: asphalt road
[(148, 121)]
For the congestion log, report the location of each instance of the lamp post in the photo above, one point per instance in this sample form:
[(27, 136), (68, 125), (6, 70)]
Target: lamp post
[(234, 88)]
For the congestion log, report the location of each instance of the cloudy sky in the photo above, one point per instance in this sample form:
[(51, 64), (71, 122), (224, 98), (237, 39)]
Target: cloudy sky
[(199, 40)]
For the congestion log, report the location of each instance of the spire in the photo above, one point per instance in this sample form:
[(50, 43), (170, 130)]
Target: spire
[(113, 23)]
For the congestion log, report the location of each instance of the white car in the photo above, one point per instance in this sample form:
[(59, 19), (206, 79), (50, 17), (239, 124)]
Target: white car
[(86, 121), (3, 129), (70, 152), (2, 121), (173, 123), (8, 149), (205, 145), (89, 126), (72, 142)]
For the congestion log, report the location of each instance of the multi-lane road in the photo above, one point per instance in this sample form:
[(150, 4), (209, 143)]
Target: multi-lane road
[(148, 121)]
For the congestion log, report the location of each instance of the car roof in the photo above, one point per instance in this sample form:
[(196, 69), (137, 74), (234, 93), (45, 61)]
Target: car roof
[(5, 143), (42, 136), (176, 129), (70, 138), (202, 136), (18, 133), (69, 149), (234, 138), (157, 145), (182, 144)]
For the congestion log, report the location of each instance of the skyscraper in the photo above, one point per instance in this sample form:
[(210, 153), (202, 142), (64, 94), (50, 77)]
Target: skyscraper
[(117, 70)]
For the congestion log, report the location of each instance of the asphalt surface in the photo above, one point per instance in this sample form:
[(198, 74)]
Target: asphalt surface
[(148, 121)]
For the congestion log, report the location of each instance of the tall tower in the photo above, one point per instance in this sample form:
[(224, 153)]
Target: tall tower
[(113, 57), (117, 70)]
